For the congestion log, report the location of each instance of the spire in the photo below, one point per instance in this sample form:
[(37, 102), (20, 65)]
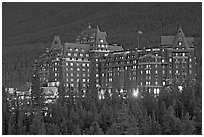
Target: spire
[(89, 25), (97, 28)]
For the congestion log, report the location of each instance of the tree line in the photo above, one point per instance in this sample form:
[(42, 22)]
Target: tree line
[(172, 112)]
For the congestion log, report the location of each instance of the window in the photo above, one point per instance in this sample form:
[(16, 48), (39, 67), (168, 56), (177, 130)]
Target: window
[(155, 66), (110, 79), (69, 54), (163, 71), (71, 64), (77, 49), (156, 71), (78, 69), (81, 55), (77, 64), (71, 74), (84, 80), (141, 71), (170, 60), (156, 83), (179, 43), (190, 71), (87, 65), (183, 54), (170, 71), (162, 60), (190, 59), (55, 74), (83, 64), (163, 83), (96, 75), (190, 66), (75, 54), (71, 79)]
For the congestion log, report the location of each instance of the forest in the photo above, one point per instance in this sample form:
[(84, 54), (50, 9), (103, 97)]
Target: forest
[(172, 112)]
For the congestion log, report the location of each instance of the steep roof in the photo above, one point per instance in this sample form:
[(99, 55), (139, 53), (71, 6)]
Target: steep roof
[(56, 44), (115, 48), (172, 40), (85, 47)]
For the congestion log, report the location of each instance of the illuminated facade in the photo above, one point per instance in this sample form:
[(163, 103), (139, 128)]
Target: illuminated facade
[(92, 63)]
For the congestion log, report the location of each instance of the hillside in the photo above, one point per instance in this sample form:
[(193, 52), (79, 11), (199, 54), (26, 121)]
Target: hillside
[(30, 27)]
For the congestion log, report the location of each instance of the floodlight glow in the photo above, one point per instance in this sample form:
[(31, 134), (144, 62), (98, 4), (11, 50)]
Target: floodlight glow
[(135, 93)]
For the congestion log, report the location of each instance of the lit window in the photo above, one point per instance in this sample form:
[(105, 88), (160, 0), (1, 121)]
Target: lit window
[(78, 69), (77, 64), (177, 71), (141, 71), (55, 69), (162, 60), (71, 68), (163, 83), (170, 60), (110, 79), (77, 74), (156, 83), (83, 64), (190, 71), (70, 49), (87, 55), (87, 80), (84, 75), (156, 71), (96, 75), (55, 74), (141, 83), (179, 43), (146, 83), (170, 71), (183, 54), (155, 66), (190, 59), (96, 60), (84, 80), (69, 54), (71, 79), (81, 55), (77, 49), (87, 65), (163, 71), (71, 64), (71, 74)]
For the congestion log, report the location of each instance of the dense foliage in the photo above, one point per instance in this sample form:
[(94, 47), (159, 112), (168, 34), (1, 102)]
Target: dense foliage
[(172, 112)]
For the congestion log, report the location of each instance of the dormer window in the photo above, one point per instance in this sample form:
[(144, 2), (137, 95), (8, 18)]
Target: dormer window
[(179, 43)]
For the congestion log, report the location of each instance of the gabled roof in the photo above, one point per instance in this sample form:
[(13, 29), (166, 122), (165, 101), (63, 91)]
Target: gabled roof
[(85, 47), (56, 44), (95, 33), (172, 40)]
